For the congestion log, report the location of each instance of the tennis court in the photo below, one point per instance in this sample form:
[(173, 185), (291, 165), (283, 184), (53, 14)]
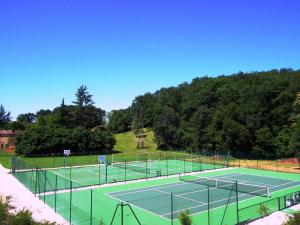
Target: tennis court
[(60, 178), (198, 194)]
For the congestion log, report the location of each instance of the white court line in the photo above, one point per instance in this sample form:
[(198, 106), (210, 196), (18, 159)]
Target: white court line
[(225, 199), (153, 213), (155, 187), (255, 175)]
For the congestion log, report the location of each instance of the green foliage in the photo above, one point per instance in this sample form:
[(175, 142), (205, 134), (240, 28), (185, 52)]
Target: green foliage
[(46, 140), (23, 217), (4, 116), (26, 118), (101, 222), (120, 120), (263, 210), (83, 97), (294, 219), (185, 218), (72, 127), (250, 114)]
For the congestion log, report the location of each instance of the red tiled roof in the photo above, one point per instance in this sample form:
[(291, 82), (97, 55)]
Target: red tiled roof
[(7, 132)]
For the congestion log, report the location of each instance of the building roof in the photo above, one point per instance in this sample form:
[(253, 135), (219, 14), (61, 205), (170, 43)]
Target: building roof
[(8, 132)]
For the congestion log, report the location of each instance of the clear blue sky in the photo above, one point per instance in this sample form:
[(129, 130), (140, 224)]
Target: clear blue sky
[(124, 48)]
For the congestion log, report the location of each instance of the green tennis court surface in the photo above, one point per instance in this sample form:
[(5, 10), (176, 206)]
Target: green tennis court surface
[(192, 193), (160, 201)]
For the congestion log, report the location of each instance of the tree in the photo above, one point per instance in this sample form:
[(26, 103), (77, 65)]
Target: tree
[(264, 145), (64, 115), (83, 97), (4, 116), (44, 139), (27, 118), (120, 120), (86, 114)]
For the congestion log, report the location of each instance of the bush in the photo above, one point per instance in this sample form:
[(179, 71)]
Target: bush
[(294, 220), (40, 140), (23, 217), (185, 218)]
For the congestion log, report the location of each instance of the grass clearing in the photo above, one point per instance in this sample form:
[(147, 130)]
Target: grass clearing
[(5, 158)]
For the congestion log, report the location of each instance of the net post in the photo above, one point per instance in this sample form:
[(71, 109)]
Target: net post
[(237, 202)]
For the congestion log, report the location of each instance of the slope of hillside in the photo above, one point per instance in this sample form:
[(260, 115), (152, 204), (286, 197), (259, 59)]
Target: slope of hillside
[(128, 142)]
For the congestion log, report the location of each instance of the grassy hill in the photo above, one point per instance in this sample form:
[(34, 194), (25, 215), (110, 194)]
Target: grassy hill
[(128, 142)]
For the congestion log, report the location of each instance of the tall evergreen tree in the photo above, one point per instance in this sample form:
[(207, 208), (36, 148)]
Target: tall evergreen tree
[(4, 116), (83, 97)]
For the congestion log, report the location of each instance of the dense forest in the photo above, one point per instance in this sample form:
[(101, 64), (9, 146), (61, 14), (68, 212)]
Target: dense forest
[(253, 114), (79, 127)]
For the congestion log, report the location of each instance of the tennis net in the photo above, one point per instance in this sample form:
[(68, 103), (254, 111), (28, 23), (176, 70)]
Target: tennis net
[(134, 166), (228, 185)]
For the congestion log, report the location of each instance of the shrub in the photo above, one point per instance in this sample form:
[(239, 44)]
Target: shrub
[(185, 218), (294, 219)]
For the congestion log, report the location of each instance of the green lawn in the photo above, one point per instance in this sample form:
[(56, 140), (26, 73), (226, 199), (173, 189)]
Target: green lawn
[(5, 158), (127, 141)]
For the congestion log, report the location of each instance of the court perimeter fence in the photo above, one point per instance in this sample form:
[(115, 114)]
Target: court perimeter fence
[(89, 172), (88, 207)]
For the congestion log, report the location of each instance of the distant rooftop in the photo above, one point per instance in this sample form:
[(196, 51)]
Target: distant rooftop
[(9, 132)]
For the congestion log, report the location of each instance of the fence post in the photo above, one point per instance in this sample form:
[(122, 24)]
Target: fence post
[(208, 207), (184, 163), (237, 202), (45, 184), (36, 180), (55, 193), (70, 202), (122, 213), (147, 170), (99, 173), (125, 172), (91, 212), (172, 209)]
